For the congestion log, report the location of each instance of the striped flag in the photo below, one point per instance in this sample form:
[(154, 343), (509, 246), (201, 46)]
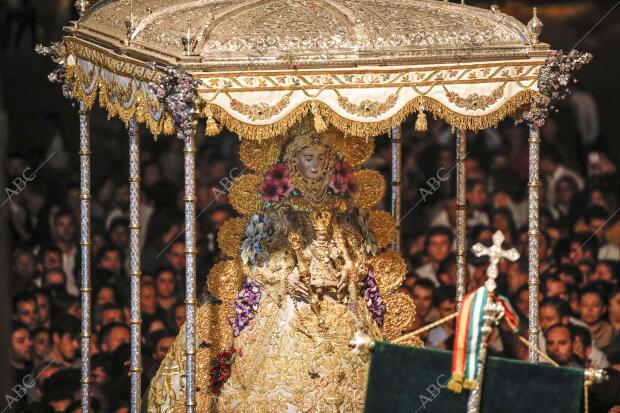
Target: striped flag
[(468, 337)]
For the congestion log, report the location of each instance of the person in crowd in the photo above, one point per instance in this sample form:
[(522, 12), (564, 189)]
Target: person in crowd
[(553, 171), (65, 239), (560, 340), (25, 309), (49, 258), (113, 335), (476, 195), (596, 220), (592, 309), (179, 315), (165, 289), (55, 279), (23, 268), (442, 336), (44, 300), (438, 246), (20, 352), (423, 296), (41, 345), (65, 340)]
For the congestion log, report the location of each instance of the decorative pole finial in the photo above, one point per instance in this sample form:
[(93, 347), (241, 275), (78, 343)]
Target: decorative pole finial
[(188, 40), (495, 253), (130, 23), (534, 27), (81, 6)]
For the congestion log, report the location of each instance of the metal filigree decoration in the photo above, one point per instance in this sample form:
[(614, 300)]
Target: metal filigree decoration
[(371, 188), (400, 314), (224, 281), (260, 155), (390, 270), (383, 227), (177, 93), (368, 108), (260, 111), (229, 236), (354, 150), (57, 52), (553, 83), (244, 195), (476, 101)]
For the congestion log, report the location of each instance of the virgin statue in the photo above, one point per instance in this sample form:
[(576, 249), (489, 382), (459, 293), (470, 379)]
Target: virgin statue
[(305, 274)]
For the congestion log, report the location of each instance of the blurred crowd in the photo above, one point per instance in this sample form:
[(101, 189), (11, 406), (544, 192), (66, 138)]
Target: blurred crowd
[(578, 250), (579, 246)]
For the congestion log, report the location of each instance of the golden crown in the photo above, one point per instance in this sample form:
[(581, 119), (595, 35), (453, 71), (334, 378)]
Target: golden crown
[(321, 220)]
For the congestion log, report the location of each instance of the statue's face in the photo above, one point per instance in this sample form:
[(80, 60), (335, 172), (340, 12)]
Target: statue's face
[(311, 161)]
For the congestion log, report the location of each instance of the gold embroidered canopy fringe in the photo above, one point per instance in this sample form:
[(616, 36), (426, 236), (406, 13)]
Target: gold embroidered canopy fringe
[(262, 65)]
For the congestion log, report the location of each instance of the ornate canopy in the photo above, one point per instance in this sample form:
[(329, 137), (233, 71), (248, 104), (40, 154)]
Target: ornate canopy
[(361, 65)]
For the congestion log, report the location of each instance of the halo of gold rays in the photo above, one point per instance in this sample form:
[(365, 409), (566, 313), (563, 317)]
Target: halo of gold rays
[(244, 196), (371, 188), (400, 313), (355, 151), (383, 227), (390, 271), (229, 236), (260, 155)]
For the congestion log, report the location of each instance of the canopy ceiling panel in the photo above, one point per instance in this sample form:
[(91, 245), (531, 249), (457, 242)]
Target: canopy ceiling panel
[(362, 65)]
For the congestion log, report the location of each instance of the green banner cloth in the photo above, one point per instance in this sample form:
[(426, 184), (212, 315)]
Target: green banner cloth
[(411, 380)]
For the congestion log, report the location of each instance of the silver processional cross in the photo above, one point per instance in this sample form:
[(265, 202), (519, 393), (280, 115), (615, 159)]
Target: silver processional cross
[(495, 253), (492, 311)]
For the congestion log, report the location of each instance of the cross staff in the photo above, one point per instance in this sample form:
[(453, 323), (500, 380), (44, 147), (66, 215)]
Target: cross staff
[(492, 311), (495, 253)]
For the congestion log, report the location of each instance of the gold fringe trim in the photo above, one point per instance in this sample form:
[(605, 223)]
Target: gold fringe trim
[(371, 129), (323, 114), (455, 385), (138, 108), (421, 125)]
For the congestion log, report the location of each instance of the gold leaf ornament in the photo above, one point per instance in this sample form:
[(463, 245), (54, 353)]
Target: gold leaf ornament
[(244, 196), (400, 313), (260, 155), (383, 227), (354, 150), (390, 271), (229, 236), (371, 188), (224, 281)]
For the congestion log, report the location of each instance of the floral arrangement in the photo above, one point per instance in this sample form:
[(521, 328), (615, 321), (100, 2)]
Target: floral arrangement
[(221, 368), (342, 181), (553, 83), (370, 244), (245, 306), (177, 93), (56, 51), (277, 184), (256, 231), (373, 299)]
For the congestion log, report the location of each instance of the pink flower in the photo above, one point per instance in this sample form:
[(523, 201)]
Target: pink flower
[(278, 172), (286, 187), (342, 179), (277, 184), (270, 190)]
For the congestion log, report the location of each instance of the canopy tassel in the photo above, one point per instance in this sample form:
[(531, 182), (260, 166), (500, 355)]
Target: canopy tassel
[(421, 124), (319, 123), (212, 129)]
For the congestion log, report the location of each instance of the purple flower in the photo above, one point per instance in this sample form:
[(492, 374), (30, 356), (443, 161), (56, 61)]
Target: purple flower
[(373, 299), (245, 306)]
